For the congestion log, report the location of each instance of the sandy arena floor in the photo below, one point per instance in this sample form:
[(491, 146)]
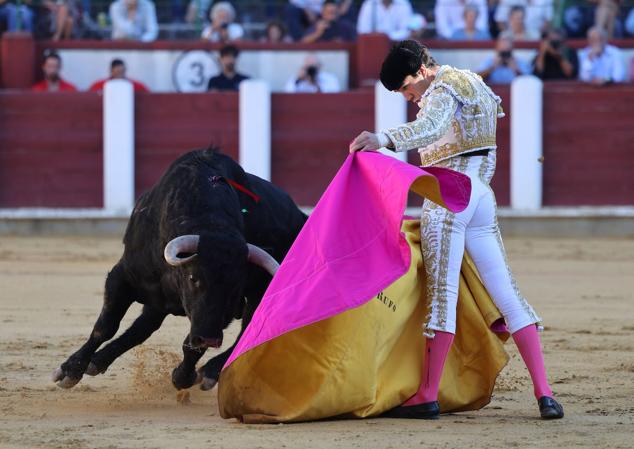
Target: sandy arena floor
[(50, 296)]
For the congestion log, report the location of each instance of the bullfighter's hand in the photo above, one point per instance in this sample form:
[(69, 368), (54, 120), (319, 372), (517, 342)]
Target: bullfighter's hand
[(366, 141)]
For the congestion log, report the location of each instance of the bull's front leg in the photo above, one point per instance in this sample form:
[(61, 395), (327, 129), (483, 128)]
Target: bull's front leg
[(185, 375), (145, 325), (117, 300)]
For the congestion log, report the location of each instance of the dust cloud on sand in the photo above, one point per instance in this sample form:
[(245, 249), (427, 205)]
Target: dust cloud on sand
[(50, 296)]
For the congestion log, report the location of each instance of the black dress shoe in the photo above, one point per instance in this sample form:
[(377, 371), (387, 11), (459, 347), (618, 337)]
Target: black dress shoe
[(549, 408), (428, 410)]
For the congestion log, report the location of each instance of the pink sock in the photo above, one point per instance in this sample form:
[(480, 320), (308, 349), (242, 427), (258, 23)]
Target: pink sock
[(527, 341), (436, 350)]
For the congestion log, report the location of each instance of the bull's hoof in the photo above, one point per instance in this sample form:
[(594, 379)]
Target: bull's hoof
[(64, 381), (183, 378), (208, 383), (93, 370)]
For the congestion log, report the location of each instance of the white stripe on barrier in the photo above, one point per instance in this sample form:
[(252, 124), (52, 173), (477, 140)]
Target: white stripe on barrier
[(255, 128), (390, 110)]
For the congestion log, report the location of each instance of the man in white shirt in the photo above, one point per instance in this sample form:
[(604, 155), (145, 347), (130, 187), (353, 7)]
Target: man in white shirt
[(311, 79), (450, 16), (539, 13), (134, 20), (390, 17), (600, 63)]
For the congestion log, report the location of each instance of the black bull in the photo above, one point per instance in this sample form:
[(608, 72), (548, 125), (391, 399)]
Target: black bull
[(188, 245)]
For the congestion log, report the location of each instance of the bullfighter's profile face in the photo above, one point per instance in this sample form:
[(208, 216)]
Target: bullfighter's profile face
[(212, 288)]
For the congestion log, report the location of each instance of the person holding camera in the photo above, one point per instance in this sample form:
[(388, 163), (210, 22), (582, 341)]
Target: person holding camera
[(503, 67), (555, 61), (223, 27), (311, 79)]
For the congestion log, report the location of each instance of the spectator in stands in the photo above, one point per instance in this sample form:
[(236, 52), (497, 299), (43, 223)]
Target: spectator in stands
[(197, 11), (600, 63), (517, 27), (117, 72), (300, 15), (555, 61), (312, 79), (52, 81), (276, 33), (16, 17), (503, 67), (470, 32), (223, 26), (390, 17), (450, 16), (416, 26), (61, 15), (537, 15), (605, 15), (134, 20), (229, 78), (330, 27), (629, 24)]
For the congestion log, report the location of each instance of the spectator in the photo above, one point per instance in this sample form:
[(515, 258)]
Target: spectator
[(517, 27), (330, 27), (276, 33), (470, 32), (538, 15), (629, 23), (600, 63), (605, 15), (300, 15), (61, 15), (450, 16), (503, 67), (390, 17), (197, 11), (229, 78), (117, 72), (555, 61), (16, 17), (134, 20), (223, 26), (311, 79), (52, 81), (416, 26)]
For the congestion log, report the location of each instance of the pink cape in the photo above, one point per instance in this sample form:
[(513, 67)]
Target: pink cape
[(351, 247)]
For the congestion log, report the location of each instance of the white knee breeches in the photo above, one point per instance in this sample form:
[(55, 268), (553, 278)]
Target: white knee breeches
[(444, 236)]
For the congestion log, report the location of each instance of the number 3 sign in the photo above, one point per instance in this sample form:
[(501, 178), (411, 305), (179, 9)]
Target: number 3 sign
[(192, 70)]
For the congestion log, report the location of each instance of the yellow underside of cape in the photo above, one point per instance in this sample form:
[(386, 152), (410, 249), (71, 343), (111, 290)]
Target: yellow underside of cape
[(367, 360)]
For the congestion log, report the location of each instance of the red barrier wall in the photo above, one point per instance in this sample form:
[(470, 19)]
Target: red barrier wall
[(310, 139), (588, 145), (50, 150), (168, 125)]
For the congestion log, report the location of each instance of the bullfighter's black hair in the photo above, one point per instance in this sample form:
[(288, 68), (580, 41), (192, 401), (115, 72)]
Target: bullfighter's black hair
[(405, 58)]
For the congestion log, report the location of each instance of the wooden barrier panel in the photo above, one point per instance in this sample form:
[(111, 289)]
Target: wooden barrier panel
[(168, 125), (588, 144), (311, 134), (50, 150)]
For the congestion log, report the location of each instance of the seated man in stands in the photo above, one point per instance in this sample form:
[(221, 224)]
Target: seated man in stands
[(229, 78), (600, 63), (517, 29), (470, 31), (117, 71), (52, 81), (330, 27), (223, 26), (134, 20), (449, 16), (312, 79), (390, 17), (555, 61), (503, 67)]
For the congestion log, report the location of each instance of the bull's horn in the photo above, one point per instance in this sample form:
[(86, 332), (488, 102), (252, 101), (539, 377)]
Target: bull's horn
[(258, 256), (182, 244)]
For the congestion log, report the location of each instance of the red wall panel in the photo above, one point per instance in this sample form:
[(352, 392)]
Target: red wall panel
[(588, 145), (50, 150), (168, 125), (311, 134)]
